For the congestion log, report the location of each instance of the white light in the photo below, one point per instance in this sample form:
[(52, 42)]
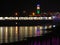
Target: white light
[(41, 27), (34, 18), (26, 18), (45, 27), (54, 25), (16, 18), (50, 18), (6, 17), (41, 18), (45, 18), (31, 18), (1, 18), (38, 7), (16, 22), (16, 13), (54, 17), (50, 26)]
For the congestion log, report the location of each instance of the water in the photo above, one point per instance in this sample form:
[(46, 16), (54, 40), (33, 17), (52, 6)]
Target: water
[(19, 33)]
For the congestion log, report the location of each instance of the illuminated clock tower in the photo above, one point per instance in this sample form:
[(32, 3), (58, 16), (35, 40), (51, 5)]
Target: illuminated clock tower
[(38, 10)]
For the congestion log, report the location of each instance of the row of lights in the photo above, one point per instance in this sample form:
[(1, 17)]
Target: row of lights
[(25, 18)]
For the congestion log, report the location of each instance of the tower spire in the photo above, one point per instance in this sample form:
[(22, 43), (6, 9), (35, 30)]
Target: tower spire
[(38, 10)]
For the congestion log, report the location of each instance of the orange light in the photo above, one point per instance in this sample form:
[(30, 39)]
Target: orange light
[(16, 13), (33, 14)]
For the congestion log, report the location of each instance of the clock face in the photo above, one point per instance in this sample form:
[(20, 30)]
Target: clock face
[(38, 7)]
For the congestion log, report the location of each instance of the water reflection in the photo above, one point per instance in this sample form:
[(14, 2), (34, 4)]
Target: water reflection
[(11, 33), (1, 34), (19, 33)]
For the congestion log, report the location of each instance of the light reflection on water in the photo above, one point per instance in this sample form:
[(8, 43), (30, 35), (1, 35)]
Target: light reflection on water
[(18, 33)]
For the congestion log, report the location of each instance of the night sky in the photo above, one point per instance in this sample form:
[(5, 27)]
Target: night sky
[(9, 6)]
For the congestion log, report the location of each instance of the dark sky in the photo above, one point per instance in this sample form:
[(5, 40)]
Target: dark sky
[(7, 6)]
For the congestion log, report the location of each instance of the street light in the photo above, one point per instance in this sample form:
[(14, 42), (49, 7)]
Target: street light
[(33, 14), (16, 13)]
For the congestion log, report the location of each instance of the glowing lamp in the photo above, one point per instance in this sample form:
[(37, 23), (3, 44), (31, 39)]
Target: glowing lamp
[(33, 13), (38, 7)]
